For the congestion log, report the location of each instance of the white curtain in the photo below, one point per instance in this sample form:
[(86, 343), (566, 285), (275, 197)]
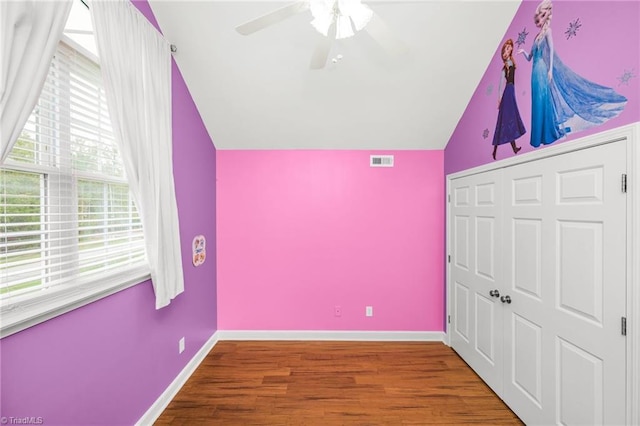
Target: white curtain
[(136, 66), (29, 34)]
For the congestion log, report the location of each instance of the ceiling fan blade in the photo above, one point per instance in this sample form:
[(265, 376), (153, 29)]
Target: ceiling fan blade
[(379, 31), (273, 17), (321, 52)]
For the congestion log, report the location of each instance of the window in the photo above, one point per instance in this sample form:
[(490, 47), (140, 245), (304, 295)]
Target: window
[(70, 232)]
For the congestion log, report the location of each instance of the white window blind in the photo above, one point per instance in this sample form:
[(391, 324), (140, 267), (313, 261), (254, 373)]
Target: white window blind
[(67, 218)]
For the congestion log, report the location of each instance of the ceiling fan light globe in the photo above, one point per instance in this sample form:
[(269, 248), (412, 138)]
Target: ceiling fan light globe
[(343, 27), (346, 14), (362, 17), (359, 13), (322, 24), (321, 9)]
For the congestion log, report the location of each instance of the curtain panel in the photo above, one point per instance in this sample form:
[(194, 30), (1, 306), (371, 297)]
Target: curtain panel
[(136, 66), (29, 34)]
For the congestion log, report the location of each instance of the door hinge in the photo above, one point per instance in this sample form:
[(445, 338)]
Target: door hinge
[(449, 198), (449, 319), (623, 327), (624, 182), (449, 258)]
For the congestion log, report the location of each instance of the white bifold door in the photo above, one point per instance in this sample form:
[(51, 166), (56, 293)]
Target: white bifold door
[(538, 284)]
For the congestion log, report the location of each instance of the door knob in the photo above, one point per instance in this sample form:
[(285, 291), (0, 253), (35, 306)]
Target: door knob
[(505, 299), (494, 293)]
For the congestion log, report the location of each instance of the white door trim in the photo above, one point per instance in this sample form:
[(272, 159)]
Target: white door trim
[(633, 273), (632, 134)]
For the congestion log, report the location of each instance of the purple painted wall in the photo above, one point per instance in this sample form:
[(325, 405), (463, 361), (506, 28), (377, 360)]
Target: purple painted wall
[(301, 232), (605, 49), (107, 362)]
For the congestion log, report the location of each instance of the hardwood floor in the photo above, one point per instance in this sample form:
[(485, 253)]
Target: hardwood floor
[(334, 383)]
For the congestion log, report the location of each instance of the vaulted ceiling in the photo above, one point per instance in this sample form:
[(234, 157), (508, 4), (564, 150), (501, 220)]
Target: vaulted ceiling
[(258, 91)]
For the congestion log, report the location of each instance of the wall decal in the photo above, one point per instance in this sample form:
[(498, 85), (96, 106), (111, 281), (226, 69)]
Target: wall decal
[(485, 133), (522, 37), (594, 85), (509, 125), (199, 250), (573, 28), (626, 76), (561, 100), (489, 89)]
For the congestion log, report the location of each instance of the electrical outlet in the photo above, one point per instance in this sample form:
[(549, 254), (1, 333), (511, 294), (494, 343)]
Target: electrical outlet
[(369, 311), (337, 311), (181, 345)]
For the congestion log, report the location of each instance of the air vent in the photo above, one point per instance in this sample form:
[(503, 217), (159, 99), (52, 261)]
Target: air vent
[(381, 160)]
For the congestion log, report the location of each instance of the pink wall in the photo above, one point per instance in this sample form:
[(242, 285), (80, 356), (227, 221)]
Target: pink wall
[(604, 48), (300, 232), (107, 362)]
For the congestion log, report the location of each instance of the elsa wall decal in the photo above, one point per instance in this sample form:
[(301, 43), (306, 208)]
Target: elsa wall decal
[(561, 100)]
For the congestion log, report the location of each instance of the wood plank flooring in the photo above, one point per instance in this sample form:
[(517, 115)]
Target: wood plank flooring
[(334, 383)]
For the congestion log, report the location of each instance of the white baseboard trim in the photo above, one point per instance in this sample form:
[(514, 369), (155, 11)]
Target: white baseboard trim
[(170, 392), (381, 336)]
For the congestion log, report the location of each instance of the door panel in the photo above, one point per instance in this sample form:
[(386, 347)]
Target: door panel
[(485, 328), (579, 384), (485, 247), (461, 232), (477, 323), (551, 235), (527, 191), (581, 186), (580, 280), (461, 314), (566, 259), (526, 350), (527, 257)]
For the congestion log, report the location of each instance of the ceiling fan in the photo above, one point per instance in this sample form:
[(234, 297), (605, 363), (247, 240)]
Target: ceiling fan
[(335, 19)]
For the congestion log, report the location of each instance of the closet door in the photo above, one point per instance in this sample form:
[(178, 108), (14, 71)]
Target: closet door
[(476, 312), (565, 274)]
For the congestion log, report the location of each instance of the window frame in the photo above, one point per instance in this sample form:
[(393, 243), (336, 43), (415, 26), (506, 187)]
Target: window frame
[(23, 311)]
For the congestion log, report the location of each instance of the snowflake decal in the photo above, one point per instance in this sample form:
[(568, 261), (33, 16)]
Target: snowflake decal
[(573, 28), (626, 76), (485, 134), (522, 37), (489, 89)]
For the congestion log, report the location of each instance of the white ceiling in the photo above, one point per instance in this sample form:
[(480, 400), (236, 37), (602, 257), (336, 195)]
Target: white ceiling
[(257, 91)]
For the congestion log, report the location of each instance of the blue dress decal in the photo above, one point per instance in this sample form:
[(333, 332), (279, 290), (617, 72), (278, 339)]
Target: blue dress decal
[(567, 103)]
